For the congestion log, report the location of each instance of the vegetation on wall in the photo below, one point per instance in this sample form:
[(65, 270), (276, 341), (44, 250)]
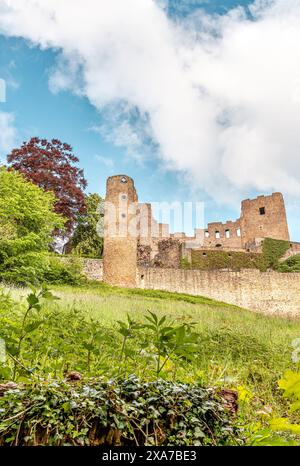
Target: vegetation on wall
[(292, 264), (273, 250), (208, 259)]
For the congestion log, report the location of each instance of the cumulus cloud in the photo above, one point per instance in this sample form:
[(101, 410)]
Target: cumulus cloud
[(219, 97), (7, 134)]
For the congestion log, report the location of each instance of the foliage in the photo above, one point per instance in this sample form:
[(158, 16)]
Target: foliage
[(15, 331), (283, 431), (232, 344), (185, 263), (290, 384), (161, 340), (210, 260), (86, 241), (51, 165), (25, 212), (177, 342), (85, 330), (272, 250), (128, 412), (126, 330), (60, 272), (41, 267), (290, 265), (27, 220)]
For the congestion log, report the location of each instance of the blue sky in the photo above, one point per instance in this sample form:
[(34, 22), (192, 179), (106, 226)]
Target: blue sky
[(38, 111)]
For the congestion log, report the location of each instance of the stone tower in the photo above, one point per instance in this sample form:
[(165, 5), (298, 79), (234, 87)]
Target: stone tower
[(264, 217), (120, 232)]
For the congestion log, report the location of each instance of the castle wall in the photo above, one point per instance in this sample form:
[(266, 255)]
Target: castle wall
[(92, 268), (264, 292), (264, 217)]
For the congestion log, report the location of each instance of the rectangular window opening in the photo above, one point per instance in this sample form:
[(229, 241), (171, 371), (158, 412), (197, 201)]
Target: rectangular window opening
[(262, 211)]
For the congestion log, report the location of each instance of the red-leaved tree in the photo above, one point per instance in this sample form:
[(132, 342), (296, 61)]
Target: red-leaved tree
[(52, 166)]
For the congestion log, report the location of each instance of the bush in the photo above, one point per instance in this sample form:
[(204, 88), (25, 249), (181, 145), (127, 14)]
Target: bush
[(64, 272), (128, 412), (290, 265), (27, 220), (38, 267), (272, 250)]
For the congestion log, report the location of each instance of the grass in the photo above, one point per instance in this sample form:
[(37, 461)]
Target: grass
[(237, 348)]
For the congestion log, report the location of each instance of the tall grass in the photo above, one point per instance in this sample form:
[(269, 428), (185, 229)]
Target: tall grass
[(237, 348)]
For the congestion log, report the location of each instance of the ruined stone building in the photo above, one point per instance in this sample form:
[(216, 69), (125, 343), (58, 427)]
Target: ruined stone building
[(140, 252), (133, 237)]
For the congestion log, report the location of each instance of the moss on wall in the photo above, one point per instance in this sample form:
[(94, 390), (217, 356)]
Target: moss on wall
[(184, 263), (272, 250)]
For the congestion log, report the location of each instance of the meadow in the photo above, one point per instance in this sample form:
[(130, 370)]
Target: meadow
[(101, 330), (109, 333)]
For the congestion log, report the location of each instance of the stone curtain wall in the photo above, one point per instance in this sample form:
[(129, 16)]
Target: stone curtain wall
[(93, 269), (267, 292)]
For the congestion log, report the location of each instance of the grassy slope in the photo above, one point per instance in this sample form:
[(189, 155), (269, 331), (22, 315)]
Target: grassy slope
[(238, 347)]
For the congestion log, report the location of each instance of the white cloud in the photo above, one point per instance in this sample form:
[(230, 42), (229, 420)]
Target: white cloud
[(108, 163), (7, 134), (221, 96)]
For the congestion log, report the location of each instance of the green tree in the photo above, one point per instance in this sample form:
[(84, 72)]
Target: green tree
[(86, 240), (27, 220)]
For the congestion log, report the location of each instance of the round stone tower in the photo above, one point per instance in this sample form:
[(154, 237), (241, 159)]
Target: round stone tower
[(120, 232)]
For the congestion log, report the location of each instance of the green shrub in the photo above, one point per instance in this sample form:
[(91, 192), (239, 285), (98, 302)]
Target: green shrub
[(290, 265), (128, 412), (64, 272), (27, 221), (38, 267), (272, 250)]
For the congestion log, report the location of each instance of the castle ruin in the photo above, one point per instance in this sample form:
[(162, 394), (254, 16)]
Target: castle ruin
[(140, 252), (132, 237)]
